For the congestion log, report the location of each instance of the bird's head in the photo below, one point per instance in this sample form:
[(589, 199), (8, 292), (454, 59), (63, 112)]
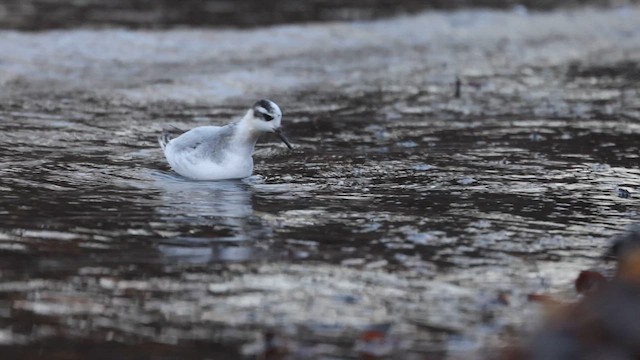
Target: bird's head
[(266, 116)]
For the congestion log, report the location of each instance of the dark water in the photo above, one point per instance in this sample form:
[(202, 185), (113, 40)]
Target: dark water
[(367, 221), (405, 223)]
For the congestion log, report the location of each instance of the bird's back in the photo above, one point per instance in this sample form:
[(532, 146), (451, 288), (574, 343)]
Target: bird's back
[(202, 142), (201, 153)]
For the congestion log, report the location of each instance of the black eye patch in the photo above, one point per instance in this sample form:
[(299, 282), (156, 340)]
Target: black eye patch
[(267, 117)]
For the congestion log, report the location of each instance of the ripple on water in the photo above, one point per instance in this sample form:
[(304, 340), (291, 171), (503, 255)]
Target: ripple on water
[(400, 207)]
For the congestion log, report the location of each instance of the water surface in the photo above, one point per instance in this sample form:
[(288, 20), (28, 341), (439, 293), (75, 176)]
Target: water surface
[(401, 208)]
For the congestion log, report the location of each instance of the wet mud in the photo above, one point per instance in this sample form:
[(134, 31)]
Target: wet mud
[(161, 14)]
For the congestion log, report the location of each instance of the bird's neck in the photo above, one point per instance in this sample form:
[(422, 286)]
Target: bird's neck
[(245, 134)]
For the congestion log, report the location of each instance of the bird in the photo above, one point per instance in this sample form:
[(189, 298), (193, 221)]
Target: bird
[(222, 152)]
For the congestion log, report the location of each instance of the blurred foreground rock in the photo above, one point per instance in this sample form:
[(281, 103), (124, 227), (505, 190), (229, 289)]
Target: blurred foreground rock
[(604, 324)]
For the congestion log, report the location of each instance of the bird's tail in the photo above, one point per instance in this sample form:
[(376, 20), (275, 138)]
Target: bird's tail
[(164, 139)]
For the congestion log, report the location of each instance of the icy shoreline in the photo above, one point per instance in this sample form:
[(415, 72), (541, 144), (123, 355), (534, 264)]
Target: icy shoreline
[(211, 66)]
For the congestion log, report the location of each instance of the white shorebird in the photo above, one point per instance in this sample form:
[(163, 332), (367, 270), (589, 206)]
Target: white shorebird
[(222, 152)]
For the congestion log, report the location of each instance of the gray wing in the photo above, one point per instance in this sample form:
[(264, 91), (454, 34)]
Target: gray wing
[(205, 142)]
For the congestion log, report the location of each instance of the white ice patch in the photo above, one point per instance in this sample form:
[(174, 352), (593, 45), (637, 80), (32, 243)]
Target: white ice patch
[(211, 65)]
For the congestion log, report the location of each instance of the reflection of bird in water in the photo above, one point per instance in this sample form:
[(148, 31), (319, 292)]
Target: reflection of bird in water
[(201, 203), (205, 221), (222, 152)]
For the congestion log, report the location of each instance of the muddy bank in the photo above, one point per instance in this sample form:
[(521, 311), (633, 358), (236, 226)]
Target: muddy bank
[(65, 14)]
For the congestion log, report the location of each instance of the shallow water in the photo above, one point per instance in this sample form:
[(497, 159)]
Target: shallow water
[(401, 207)]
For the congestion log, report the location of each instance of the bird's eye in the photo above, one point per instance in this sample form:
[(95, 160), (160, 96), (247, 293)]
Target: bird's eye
[(267, 117)]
